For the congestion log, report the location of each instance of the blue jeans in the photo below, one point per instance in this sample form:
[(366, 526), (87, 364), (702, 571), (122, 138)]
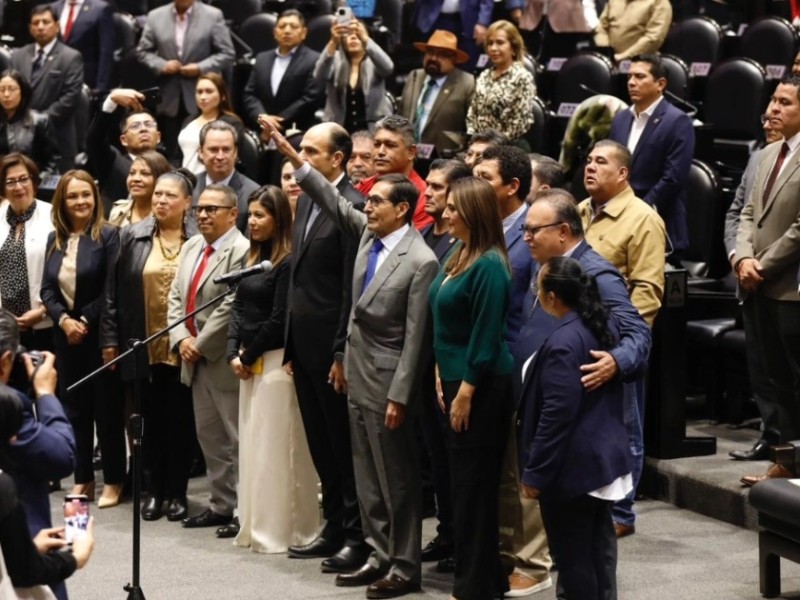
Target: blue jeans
[(633, 414)]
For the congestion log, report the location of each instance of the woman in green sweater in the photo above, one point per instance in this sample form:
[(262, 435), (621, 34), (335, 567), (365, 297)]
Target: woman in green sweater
[(469, 300)]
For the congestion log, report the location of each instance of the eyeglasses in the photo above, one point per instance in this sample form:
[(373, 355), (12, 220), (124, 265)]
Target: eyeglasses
[(209, 209), (532, 231), (375, 200), (24, 180), (137, 125)]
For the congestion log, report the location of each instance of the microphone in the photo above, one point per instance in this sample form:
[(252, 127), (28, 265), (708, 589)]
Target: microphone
[(236, 276)]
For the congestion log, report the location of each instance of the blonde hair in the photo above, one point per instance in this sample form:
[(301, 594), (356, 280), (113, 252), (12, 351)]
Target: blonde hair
[(514, 38), (61, 220)]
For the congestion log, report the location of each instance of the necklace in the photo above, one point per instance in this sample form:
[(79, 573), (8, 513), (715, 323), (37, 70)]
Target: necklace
[(169, 253)]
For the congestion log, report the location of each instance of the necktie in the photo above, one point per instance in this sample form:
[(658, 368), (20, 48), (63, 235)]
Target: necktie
[(192, 297), (372, 263), (423, 101), (37, 64), (70, 20), (774, 175), (312, 216)]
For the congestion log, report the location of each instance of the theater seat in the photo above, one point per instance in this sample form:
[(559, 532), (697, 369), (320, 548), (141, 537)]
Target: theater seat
[(538, 135), (256, 32), (704, 360), (249, 148), (773, 43), (677, 75), (705, 214), (5, 57), (319, 32), (237, 12), (585, 74), (694, 40)]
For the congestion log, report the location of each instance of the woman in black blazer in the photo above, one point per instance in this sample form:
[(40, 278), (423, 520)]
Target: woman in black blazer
[(79, 265)]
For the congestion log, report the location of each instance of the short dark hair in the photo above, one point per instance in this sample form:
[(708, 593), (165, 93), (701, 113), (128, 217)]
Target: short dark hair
[(14, 159), (547, 170), (398, 124), (228, 194), (403, 190), (489, 136), (565, 207), (25, 90), (792, 80), (123, 124), (657, 68), (623, 154), (43, 8), (453, 169), (292, 12), (512, 163), (340, 141), (218, 125), (9, 332)]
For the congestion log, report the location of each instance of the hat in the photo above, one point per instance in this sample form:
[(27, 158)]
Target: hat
[(443, 40)]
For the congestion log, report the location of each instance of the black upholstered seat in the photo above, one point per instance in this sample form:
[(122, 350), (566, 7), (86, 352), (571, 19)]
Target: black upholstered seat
[(256, 32), (771, 42), (695, 40)]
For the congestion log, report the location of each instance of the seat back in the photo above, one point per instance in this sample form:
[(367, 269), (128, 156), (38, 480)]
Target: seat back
[(677, 75), (705, 217), (257, 30), (773, 43), (319, 32), (589, 69), (249, 148), (237, 12), (5, 57), (697, 41), (735, 99), (538, 134)]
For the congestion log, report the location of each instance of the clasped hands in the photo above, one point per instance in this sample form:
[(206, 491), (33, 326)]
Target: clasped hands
[(748, 271), (175, 67)]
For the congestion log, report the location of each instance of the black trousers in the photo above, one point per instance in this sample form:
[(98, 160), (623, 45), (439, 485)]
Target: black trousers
[(476, 457), (168, 432), (327, 427), (580, 532)]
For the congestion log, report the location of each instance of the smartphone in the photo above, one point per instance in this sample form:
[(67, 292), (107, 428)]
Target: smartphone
[(76, 516), (344, 15), (152, 96)]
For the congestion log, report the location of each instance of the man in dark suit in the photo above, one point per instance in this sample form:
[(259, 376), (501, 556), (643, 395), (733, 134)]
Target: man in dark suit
[(88, 27), (385, 352), (138, 132), (281, 87), (436, 98), (661, 140), (468, 19), (55, 72), (319, 307), (218, 143), (180, 41)]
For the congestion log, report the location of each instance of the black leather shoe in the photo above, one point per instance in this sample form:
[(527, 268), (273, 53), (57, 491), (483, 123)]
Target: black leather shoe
[(177, 509), (437, 549), (347, 560), (319, 548), (230, 530), (391, 586), (760, 451), (446, 565), (207, 518), (366, 575), (151, 511)]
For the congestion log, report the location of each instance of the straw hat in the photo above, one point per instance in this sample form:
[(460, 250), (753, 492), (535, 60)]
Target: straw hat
[(444, 40)]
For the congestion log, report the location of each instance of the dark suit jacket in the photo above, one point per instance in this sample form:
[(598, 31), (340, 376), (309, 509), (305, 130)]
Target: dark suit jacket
[(572, 441), (241, 184), (93, 36), (449, 111), (443, 246), (661, 164), (519, 256), (472, 13), (320, 285), (56, 89), (106, 162), (299, 95)]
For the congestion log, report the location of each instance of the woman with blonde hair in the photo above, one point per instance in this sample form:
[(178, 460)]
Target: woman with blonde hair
[(469, 302), (277, 481), (79, 267), (504, 92)]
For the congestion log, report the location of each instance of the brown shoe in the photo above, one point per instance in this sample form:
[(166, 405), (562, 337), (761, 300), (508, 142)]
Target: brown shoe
[(391, 586), (366, 575), (624, 530), (774, 472)]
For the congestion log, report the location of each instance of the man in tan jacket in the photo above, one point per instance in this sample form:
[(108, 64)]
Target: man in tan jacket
[(633, 27)]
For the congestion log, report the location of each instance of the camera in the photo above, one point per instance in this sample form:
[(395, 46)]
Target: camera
[(19, 375)]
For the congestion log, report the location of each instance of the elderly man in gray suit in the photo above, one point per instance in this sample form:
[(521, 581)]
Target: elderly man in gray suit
[(388, 339), (202, 342), (180, 41)]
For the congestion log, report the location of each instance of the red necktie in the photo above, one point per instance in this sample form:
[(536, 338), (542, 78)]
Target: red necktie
[(192, 297), (70, 20), (795, 8), (774, 175)]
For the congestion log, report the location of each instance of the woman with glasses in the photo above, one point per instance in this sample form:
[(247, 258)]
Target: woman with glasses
[(145, 170), (354, 68), (278, 504), (24, 226), (573, 454), (80, 260), (23, 129), (469, 302), (149, 253)]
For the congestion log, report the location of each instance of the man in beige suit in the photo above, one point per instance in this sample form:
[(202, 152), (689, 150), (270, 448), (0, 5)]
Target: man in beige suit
[(767, 260), (202, 341), (633, 27)]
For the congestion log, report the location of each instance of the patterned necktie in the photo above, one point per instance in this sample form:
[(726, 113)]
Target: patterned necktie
[(774, 175), (423, 101), (37, 64), (372, 263), (192, 297), (70, 19)]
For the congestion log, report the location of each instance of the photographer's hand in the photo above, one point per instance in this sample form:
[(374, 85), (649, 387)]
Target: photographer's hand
[(45, 378)]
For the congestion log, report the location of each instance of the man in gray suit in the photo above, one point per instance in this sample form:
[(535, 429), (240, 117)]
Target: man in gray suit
[(218, 143), (767, 260), (202, 342), (55, 72), (388, 339), (179, 42)]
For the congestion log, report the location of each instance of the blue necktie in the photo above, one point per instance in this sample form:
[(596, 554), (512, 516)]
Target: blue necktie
[(372, 263)]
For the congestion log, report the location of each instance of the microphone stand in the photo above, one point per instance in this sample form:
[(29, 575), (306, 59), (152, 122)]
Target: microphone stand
[(136, 427)]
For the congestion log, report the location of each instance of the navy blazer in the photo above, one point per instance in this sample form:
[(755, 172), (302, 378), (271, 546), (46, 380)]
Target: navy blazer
[(572, 441), (519, 255), (443, 246), (93, 36), (472, 12), (661, 164)]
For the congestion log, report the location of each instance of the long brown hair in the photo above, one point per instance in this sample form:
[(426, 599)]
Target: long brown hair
[(225, 104), (274, 201), (476, 203), (59, 213)]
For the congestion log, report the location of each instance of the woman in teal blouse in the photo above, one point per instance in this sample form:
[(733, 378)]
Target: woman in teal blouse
[(469, 301)]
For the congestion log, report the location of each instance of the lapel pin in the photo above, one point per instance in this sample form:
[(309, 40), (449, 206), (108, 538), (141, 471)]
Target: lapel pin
[(656, 121)]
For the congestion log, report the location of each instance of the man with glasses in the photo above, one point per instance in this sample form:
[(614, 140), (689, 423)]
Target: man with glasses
[(218, 153), (437, 96), (138, 132), (202, 341)]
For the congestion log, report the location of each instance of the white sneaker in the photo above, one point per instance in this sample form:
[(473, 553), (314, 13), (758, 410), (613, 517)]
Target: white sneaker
[(523, 585)]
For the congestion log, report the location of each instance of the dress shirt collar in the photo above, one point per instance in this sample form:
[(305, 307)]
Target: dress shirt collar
[(288, 55), (571, 251), (647, 112), (186, 14), (47, 49), (793, 142), (226, 181), (614, 207), (509, 221), (391, 240), (218, 243)]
